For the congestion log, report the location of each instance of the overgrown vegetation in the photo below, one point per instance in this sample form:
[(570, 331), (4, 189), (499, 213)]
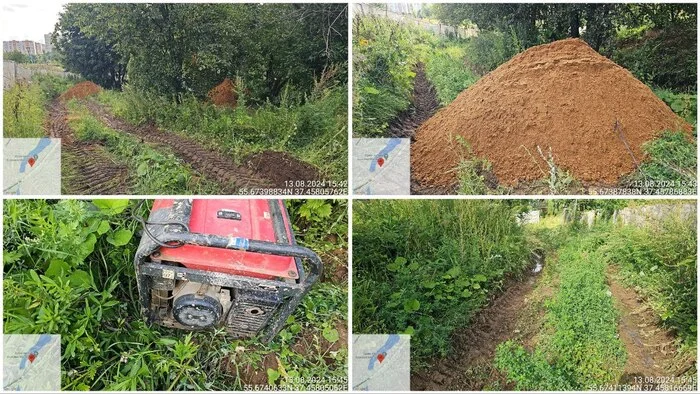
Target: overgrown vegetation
[(578, 347), (660, 261), (424, 267), (24, 105), (68, 270), (288, 61), (150, 168), (314, 131), (386, 53), (656, 42)]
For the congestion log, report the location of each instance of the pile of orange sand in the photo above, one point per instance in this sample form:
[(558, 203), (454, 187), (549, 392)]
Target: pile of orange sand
[(565, 96), (224, 94), (81, 91)]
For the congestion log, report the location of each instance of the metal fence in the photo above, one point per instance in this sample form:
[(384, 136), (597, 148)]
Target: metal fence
[(436, 28)]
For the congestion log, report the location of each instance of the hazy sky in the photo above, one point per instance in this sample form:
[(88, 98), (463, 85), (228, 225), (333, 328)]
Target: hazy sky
[(30, 20)]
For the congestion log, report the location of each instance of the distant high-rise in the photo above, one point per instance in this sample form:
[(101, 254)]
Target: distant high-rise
[(27, 47), (48, 47)]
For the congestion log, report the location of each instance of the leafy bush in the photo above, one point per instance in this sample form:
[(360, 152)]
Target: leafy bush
[(684, 105), (68, 269), (660, 262), (489, 50), (446, 69), (664, 58), (424, 267)]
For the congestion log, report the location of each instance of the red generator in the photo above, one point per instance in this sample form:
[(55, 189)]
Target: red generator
[(231, 264)]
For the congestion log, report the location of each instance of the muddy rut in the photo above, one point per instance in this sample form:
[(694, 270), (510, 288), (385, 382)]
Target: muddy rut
[(92, 169), (424, 103), (474, 347), (258, 171), (650, 349), (213, 165), (518, 314)]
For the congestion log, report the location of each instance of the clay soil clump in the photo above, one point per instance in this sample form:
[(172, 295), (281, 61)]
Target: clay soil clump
[(81, 90), (224, 94), (593, 114)]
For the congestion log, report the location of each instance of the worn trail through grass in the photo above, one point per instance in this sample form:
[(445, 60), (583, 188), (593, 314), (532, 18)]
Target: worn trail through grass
[(527, 325), (90, 169)]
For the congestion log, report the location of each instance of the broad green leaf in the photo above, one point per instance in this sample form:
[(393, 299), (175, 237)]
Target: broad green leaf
[(120, 237), (80, 278), (103, 228), (57, 268), (142, 169), (111, 206), (272, 376), (331, 335), (411, 305)]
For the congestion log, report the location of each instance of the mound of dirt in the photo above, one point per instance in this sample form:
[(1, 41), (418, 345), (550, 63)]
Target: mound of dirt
[(592, 113), (81, 91), (281, 168), (224, 94)]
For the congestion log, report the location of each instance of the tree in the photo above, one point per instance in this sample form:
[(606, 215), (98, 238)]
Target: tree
[(175, 49), (88, 56), (16, 56)]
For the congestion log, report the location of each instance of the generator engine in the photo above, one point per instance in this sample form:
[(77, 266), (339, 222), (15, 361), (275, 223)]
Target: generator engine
[(231, 264)]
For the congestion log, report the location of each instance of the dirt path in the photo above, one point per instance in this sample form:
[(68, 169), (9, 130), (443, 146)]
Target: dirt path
[(650, 348), (87, 166), (424, 103), (474, 347), (263, 170)]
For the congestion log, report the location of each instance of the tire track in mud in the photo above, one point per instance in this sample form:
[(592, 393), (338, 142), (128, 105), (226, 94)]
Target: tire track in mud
[(94, 170), (262, 170), (474, 346), (650, 348), (424, 104)]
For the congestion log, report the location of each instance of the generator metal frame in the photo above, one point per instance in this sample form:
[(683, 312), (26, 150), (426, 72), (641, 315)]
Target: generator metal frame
[(174, 233)]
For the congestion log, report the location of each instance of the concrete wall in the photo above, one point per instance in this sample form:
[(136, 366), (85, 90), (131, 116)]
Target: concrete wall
[(651, 214), (15, 72), (531, 217)]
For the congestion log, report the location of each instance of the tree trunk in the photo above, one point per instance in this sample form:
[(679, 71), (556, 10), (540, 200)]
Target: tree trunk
[(574, 23)]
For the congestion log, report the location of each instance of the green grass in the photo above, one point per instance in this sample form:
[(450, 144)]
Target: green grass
[(660, 262), (385, 54), (578, 347), (153, 169), (671, 163), (23, 111), (68, 270), (426, 266), (24, 105), (314, 131), (447, 70)]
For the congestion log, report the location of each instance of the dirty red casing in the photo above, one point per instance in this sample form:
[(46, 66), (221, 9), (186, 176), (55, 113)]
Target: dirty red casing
[(256, 223)]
